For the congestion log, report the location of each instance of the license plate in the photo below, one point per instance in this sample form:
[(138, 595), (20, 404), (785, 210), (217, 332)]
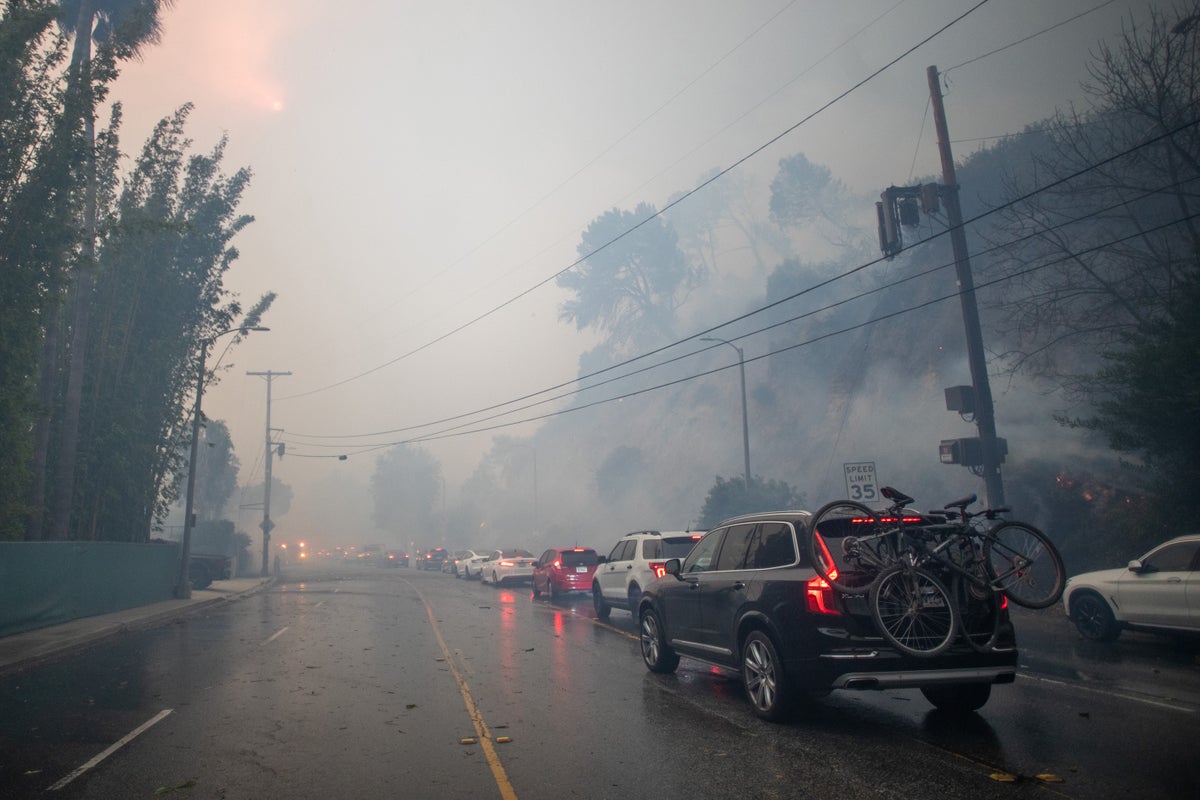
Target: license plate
[(581, 569)]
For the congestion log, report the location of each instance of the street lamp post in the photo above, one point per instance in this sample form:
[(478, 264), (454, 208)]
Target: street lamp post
[(183, 586), (745, 416)]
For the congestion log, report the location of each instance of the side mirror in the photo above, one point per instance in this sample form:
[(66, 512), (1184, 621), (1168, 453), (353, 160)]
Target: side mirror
[(1137, 566), (601, 560), (672, 568)]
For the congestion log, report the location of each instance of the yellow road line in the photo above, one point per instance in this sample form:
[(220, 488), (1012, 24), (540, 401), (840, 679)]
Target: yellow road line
[(481, 729)]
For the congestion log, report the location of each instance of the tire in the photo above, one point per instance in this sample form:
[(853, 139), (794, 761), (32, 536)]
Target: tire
[(766, 684), (198, 575), (1025, 565), (552, 590), (914, 611), (849, 561), (1093, 618), (979, 612), (603, 609), (495, 579), (657, 654), (960, 698), (536, 591)]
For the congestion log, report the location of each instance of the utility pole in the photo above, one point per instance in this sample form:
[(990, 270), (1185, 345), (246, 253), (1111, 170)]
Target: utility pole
[(267, 525), (985, 419)]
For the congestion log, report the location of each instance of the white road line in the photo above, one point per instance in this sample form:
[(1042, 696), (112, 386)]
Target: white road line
[(276, 634), (1118, 695), (318, 605), (129, 737)]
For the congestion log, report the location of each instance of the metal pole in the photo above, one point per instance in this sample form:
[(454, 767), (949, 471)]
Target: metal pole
[(267, 525), (183, 586), (745, 412), (985, 418)]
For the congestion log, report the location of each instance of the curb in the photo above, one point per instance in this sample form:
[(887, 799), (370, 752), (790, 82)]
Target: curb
[(103, 630)]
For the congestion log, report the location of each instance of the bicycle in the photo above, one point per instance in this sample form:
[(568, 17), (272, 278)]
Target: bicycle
[(898, 559)]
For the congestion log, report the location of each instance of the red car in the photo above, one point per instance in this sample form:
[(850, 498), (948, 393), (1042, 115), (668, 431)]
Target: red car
[(564, 569)]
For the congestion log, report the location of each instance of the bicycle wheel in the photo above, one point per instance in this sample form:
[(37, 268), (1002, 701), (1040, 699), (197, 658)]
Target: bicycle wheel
[(848, 546), (914, 611), (1024, 564), (979, 609)]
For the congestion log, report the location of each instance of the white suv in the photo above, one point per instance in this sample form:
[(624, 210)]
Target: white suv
[(637, 559)]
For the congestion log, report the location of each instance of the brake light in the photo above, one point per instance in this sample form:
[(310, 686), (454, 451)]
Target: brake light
[(507, 564), (557, 564), (1003, 601), (824, 555), (820, 596), (658, 568)]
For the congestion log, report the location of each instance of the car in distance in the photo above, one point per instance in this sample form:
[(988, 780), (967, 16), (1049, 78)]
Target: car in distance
[(472, 568), (1157, 592), (636, 560), (508, 566), (458, 561), (432, 559), (562, 570), (747, 598), (394, 558)]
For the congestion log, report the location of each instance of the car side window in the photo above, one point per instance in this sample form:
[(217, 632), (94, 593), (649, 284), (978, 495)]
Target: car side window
[(619, 552), (735, 547), (546, 558), (774, 546), (1173, 558), (702, 555), (651, 549)]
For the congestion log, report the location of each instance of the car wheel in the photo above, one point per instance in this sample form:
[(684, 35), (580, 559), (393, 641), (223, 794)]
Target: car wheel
[(959, 698), (766, 684), (552, 590), (536, 591), (495, 579), (657, 654), (1093, 618), (603, 609)]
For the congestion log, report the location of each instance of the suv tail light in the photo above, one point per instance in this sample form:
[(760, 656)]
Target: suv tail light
[(820, 596), (659, 568)]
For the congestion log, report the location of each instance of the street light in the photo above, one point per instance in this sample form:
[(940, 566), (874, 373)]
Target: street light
[(745, 419), (183, 587)]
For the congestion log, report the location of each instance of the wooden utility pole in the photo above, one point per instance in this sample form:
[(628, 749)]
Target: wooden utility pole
[(266, 523), (985, 419)]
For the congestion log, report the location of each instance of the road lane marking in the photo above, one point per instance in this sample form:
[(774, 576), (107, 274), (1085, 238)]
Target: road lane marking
[(481, 729), (1106, 693), (276, 634), (126, 739)]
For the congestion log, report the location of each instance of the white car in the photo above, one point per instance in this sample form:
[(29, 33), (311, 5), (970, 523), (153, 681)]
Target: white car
[(1158, 592), (472, 568), (508, 566), (457, 564), (637, 559)]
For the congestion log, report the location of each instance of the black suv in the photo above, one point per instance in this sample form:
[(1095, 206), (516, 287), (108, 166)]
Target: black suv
[(746, 598)]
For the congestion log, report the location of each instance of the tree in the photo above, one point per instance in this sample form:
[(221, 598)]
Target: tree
[(805, 195), (729, 498), (1103, 255), (1153, 401), (121, 28), (628, 287), (405, 485)]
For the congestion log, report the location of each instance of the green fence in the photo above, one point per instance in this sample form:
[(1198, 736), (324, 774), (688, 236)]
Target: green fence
[(46, 583)]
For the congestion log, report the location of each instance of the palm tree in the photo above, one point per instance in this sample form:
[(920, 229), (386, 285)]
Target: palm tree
[(124, 27)]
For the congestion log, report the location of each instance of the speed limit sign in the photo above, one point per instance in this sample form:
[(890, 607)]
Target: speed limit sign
[(860, 482)]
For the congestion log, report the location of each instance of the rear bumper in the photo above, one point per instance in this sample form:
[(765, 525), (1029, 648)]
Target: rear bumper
[(905, 679)]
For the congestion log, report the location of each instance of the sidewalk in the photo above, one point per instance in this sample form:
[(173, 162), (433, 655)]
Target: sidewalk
[(31, 647)]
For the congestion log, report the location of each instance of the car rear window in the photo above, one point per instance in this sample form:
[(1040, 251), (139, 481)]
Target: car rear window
[(676, 546), (579, 558)]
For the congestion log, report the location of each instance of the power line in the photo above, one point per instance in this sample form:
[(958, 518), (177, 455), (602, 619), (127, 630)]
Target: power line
[(703, 184), (821, 284), (1024, 39)]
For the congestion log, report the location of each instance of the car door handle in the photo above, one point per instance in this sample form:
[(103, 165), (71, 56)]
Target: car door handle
[(629, 567), (739, 585), (1174, 580)]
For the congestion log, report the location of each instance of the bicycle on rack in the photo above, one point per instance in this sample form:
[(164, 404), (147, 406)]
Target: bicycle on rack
[(930, 576)]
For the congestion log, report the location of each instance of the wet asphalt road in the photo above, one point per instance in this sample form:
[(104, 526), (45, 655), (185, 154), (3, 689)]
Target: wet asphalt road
[(348, 682)]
